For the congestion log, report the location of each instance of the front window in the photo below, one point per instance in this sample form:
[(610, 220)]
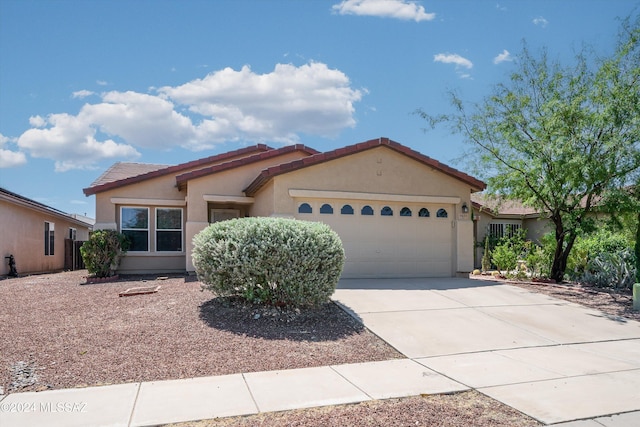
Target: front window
[(49, 240), (168, 230), (134, 223)]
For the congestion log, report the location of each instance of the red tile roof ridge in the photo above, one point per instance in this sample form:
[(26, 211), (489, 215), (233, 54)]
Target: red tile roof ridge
[(165, 169), (319, 158), (183, 178)]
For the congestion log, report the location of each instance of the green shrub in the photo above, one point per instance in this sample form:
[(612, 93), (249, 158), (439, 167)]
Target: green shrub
[(509, 250), (269, 260), (101, 253), (504, 257), (616, 269), (588, 247), (486, 256), (538, 261)]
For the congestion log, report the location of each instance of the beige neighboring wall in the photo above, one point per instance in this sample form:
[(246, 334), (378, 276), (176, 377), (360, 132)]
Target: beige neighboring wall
[(23, 237)]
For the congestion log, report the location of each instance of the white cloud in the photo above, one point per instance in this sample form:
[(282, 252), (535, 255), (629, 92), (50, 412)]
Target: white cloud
[(101, 82), (501, 7), (540, 21), (453, 58), (8, 158), (276, 106), (399, 9), (142, 120), (71, 142), (223, 106), (81, 94), (37, 121), (503, 57)]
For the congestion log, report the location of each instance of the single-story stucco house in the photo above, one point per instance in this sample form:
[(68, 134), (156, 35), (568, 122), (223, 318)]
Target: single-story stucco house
[(398, 212), (37, 235)]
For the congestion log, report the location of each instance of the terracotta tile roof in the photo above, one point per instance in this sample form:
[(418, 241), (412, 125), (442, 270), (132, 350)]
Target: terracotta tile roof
[(182, 179), (319, 158), (497, 206), (122, 174)]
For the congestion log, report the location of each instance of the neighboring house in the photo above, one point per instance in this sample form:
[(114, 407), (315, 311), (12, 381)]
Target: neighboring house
[(501, 219), (398, 212), (35, 234)]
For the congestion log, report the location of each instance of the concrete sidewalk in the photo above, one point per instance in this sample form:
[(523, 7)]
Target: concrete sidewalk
[(552, 360), (153, 403)]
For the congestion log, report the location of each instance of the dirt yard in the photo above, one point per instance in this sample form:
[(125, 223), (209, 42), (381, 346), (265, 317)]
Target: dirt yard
[(58, 332)]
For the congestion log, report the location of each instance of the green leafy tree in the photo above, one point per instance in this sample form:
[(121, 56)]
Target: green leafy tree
[(558, 137), (101, 253)]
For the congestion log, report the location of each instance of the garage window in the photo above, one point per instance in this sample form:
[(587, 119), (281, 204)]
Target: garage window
[(346, 210), (386, 211), (405, 211), (326, 209), (366, 210), (442, 213), (424, 213), (305, 208)]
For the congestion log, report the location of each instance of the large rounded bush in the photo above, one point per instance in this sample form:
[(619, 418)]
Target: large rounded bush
[(269, 260)]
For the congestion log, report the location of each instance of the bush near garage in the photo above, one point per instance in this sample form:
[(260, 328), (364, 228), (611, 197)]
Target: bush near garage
[(273, 261)]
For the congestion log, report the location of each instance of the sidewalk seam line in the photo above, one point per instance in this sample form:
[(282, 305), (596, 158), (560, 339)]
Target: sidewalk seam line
[(135, 403), (350, 382), (253, 399)]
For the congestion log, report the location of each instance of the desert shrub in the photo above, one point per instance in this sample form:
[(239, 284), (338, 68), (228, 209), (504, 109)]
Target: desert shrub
[(486, 256), (588, 247), (504, 257), (538, 261), (509, 250), (269, 260), (612, 269), (101, 253)]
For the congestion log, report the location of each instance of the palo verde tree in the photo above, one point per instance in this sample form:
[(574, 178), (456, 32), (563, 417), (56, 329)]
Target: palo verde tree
[(558, 136)]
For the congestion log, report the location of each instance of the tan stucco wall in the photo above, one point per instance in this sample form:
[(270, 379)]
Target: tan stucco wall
[(225, 183), (379, 170), (536, 228), (382, 171), (23, 237)]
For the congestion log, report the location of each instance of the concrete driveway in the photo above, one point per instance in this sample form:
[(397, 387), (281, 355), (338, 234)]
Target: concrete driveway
[(551, 359)]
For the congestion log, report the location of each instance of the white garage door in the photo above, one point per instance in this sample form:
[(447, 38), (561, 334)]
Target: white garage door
[(388, 239)]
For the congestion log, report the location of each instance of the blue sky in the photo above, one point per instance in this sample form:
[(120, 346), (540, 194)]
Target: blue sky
[(85, 84)]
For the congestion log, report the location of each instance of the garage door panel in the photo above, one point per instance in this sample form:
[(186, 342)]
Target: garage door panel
[(391, 246)]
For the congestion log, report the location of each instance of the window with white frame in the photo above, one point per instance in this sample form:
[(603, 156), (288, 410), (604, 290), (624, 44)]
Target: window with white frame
[(49, 238), (168, 229), (500, 230), (134, 223)]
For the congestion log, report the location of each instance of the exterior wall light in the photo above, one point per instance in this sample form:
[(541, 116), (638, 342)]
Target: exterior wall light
[(465, 208)]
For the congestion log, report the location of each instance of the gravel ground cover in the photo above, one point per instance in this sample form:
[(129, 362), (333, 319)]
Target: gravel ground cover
[(468, 409), (58, 332)]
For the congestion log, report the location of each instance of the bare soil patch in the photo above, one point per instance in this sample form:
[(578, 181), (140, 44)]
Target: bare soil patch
[(59, 332), (452, 410)]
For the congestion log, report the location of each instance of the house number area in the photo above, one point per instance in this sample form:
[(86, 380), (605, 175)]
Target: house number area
[(48, 407)]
